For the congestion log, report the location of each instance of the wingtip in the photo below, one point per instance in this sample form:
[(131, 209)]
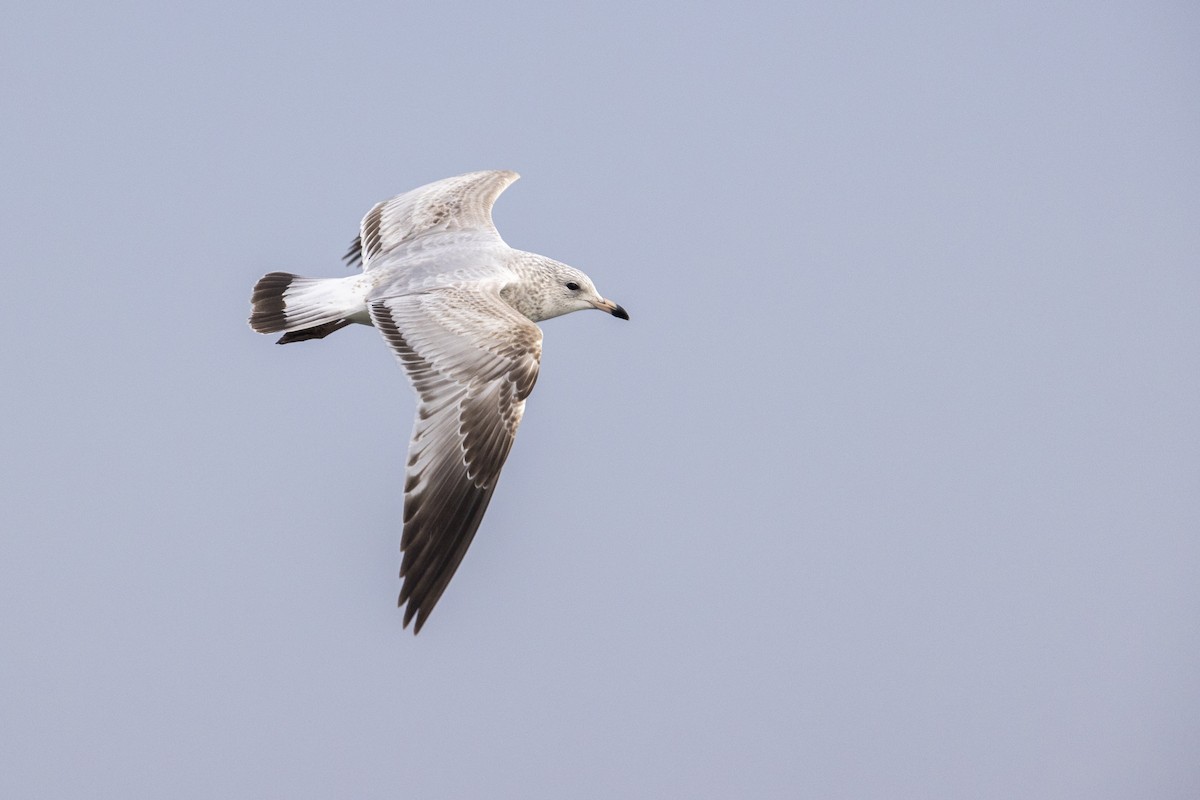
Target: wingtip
[(410, 611), (507, 177)]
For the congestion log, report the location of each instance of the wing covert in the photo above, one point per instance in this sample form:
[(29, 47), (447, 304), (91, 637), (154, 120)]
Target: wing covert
[(463, 203), (472, 360)]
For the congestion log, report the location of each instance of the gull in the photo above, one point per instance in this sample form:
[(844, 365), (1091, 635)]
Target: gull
[(457, 306)]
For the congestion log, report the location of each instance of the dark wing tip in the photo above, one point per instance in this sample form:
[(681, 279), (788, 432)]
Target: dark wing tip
[(353, 257)]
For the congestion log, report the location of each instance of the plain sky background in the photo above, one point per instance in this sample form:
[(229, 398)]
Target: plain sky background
[(890, 488)]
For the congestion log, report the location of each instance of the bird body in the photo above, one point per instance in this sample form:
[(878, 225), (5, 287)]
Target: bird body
[(457, 306)]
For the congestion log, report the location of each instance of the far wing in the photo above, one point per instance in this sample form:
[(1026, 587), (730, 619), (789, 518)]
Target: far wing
[(463, 203), (472, 360)]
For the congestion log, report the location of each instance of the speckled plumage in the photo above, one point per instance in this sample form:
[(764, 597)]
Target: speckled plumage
[(457, 306)]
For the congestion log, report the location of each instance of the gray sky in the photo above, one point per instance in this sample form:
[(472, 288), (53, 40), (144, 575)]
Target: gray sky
[(890, 488)]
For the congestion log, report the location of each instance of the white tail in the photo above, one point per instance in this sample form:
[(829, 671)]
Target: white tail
[(313, 307)]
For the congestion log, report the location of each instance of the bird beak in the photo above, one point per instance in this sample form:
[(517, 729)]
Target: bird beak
[(612, 308)]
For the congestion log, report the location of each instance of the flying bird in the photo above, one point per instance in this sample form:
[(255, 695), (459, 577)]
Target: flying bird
[(457, 306)]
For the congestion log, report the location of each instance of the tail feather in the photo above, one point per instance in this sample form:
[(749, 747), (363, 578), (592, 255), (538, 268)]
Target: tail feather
[(268, 314), (306, 308)]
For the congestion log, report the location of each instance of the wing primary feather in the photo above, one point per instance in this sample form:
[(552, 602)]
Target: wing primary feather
[(472, 360), (354, 257)]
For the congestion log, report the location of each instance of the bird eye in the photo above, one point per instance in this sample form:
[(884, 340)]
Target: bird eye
[(573, 286)]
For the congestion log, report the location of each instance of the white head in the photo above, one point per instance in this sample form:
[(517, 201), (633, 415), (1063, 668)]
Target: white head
[(563, 289)]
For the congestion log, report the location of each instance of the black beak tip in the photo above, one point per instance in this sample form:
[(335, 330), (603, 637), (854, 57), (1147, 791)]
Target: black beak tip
[(620, 313)]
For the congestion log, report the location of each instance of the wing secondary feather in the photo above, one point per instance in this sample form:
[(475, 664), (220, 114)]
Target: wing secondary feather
[(462, 203), (472, 360)]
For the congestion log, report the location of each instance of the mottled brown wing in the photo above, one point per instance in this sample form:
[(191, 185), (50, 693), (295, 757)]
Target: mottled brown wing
[(472, 360), (463, 203)]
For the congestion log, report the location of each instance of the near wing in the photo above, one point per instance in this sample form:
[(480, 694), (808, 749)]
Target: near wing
[(463, 203), (472, 360)]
